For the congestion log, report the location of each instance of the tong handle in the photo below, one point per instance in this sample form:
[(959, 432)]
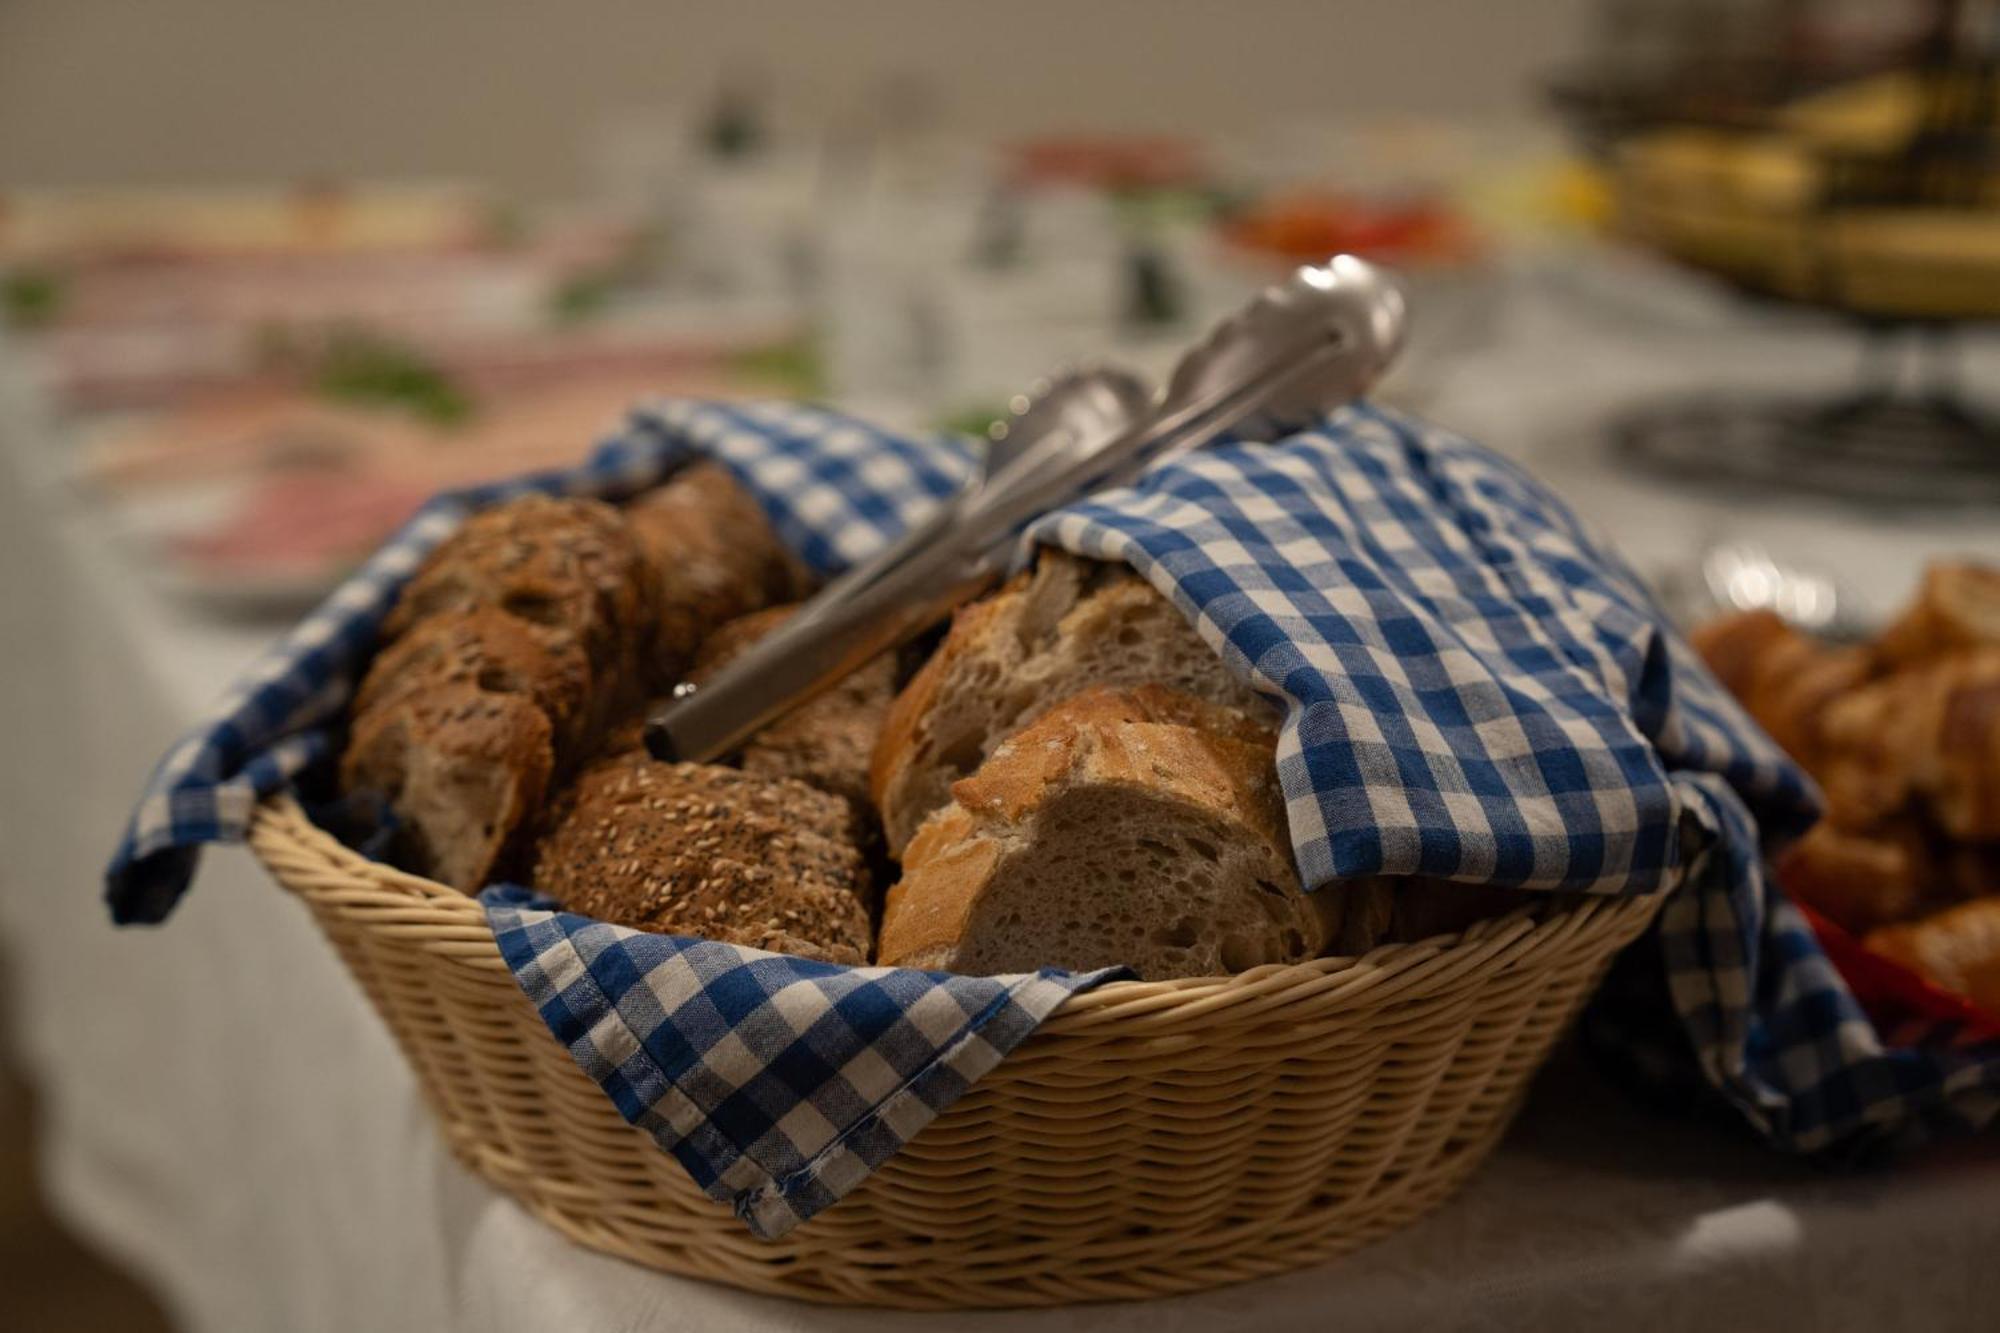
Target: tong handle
[(990, 517), (857, 579)]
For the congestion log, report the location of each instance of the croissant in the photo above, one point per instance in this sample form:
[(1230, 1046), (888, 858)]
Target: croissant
[(1861, 880), (1903, 737), (1958, 773), (1957, 949), (1957, 608), (1783, 678)]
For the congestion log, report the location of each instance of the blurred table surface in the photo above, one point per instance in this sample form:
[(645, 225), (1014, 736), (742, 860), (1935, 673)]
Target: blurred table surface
[(225, 1113)]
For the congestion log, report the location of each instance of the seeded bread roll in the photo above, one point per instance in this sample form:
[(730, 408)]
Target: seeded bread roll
[(694, 849), (567, 564), (826, 742), (464, 770), (711, 556), (1142, 827), (1069, 625), (495, 652)]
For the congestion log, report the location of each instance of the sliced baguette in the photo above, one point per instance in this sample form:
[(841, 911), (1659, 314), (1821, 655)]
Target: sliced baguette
[(1141, 827), (1069, 625)]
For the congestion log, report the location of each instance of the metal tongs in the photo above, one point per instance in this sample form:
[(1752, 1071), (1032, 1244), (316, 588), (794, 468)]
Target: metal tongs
[(1289, 356)]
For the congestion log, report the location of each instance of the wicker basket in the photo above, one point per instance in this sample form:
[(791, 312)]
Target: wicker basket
[(1151, 1138)]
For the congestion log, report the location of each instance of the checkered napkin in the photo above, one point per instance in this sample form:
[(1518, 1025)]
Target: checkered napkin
[(778, 1082), (1474, 688)]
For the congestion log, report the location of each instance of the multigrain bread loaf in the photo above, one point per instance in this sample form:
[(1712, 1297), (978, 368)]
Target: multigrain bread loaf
[(493, 651), (464, 770), (1135, 826), (1069, 625), (524, 636), (712, 557), (827, 741), (696, 849), (566, 564)]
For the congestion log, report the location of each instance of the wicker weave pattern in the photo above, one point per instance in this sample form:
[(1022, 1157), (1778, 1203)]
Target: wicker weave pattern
[(1152, 1137)]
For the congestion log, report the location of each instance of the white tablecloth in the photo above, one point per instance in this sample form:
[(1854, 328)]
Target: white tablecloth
[(226, 1113)]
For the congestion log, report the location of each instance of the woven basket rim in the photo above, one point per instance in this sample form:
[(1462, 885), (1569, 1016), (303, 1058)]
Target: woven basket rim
[(281, 832)]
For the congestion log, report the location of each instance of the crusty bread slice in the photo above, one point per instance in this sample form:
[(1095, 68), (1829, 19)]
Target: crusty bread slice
[(1142, 827), (827, 741), (464, 770), (694, 849), (711, 556), (1069, 625)]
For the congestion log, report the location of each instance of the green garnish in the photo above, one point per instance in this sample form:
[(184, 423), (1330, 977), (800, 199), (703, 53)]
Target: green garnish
[(793, 367), (583, 296), (588, 292), (365, 368), (975, 420), (30, 298)]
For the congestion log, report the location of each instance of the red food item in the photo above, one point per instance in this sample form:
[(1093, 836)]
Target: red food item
[(304, 523), (1906, 1009), (1111, 162), (1305, 227)]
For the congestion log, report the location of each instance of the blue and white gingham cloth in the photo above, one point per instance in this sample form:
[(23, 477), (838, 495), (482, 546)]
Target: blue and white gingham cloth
[(1474, 689)]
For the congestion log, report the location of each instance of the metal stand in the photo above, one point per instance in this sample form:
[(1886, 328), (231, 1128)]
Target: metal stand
[(1906, 434)]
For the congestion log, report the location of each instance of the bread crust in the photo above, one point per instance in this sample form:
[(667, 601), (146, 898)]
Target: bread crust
[(1958, 949), (1149, 737), (1957, 608)]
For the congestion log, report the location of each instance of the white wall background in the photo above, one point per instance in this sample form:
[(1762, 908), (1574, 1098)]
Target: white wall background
[(511, 90)]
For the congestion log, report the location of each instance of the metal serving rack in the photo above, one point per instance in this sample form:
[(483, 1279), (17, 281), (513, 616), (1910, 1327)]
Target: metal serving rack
[(1906, 431)]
